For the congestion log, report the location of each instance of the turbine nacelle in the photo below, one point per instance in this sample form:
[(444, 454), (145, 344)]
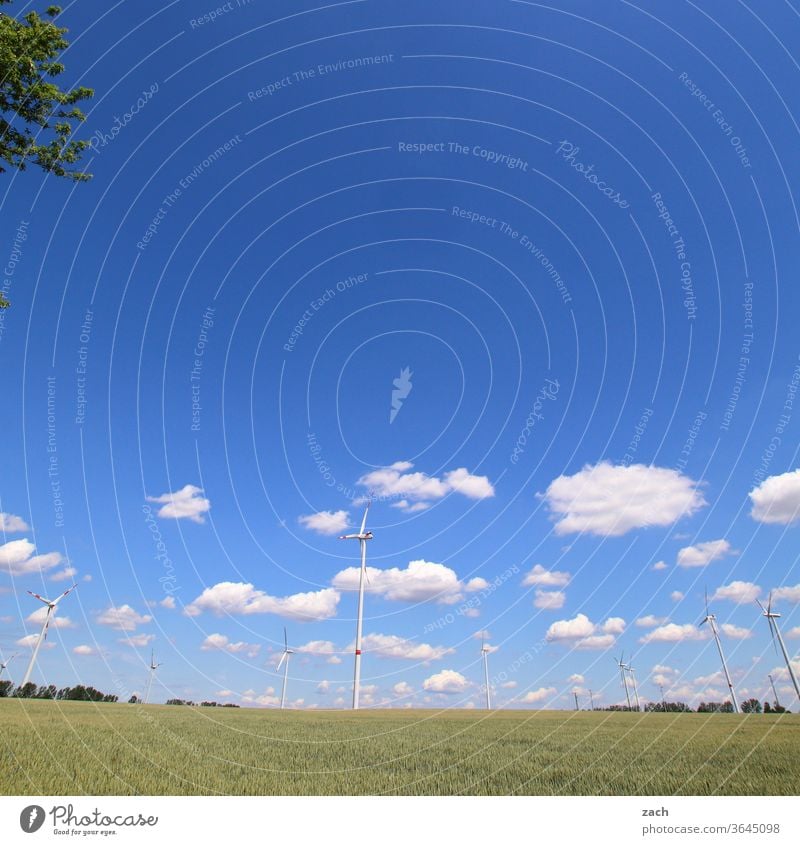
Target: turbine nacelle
[(367, 535)]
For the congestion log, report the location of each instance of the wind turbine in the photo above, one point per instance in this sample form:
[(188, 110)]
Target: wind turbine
[(776, 632), (485, 649), (712, 622), (774, 691), (51, 607), (633, 681), (622, 669), (5, 664), (362, 537), (153, 667), (285, 659)]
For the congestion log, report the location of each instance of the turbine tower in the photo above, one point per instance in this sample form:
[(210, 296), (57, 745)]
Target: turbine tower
[(285, 659), (633, 682), (712, 622), (51, 607), (485, 649), (776, 633), (622, 669), (151, 675), (771, 683), (362, 537)]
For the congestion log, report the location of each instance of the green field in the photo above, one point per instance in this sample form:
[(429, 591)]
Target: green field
[(68, 748)]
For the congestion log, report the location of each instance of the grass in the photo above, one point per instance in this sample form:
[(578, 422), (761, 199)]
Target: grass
[(72, 748)]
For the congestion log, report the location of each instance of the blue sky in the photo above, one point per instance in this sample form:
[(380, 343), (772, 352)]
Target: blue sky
[(564, 236)]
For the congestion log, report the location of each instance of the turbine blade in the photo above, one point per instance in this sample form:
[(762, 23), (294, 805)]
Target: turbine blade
[(41, 598), (702, 622), (280, 662), (364, 520), (64, 594), (769, 602), (285, 640), (706, 592)]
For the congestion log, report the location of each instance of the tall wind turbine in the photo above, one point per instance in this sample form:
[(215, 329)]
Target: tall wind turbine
[(622, 669), (485, 649), (633, 682), (153, 666), (362, 537), (774, 691), (776, 633), (5, 664), (51, 607), (285, 659), (712, 622)]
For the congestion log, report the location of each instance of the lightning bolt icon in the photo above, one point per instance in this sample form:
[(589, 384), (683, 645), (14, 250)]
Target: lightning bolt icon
[(32, 816)]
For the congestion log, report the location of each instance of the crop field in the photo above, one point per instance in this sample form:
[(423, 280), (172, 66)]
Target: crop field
[(71, 748)]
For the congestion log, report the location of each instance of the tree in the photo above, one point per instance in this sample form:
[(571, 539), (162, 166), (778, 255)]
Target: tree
[(37, 118), (28, 691), (752, 705), (5, 688), (134, 699)]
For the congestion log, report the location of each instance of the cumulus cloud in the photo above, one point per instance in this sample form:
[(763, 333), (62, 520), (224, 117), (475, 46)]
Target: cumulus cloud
[(137, 640), (17, 558), (610, 500), (419, 581), (659, 566), (398, 648), (702, 554), (541, 577), (538, 695), (677, 595), (447, 681), (122, 618), (650, 621), (186, 503), (735, 632), (11, 524), (66, 574), (30, 641), (673, 633), (85, 650), (403, 688), (549, 599), (229, 597), (418, 487), (582, 633), (56, 621), (790, 594), (576, 679), (328, 523), (219, 642), (776, 500), (741, 592)]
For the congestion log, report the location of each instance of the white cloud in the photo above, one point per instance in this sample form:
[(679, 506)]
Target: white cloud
[(550, 599), (538, 695), (659, 566), (541, 577), (582, 633), (476, 584), (735, 632), (186, 503), (11, 524), (85, 650), (219, 642), (776, 500), (168, 602), (396, 480), (447, 681), (323, 687), (702, 554), (328, 523), (611, 500), (673, 633), (650, 621), (30, 641), (419, 581), (17, 558), (122, 618), (389, 645), (405, 505), (790, 594), (403, 688), (56, 621), (137, 640), (741, 592), (317, 647), (677, 595), (228, 597), (66, 574), (509, 685), (576, 679), (793, 633)]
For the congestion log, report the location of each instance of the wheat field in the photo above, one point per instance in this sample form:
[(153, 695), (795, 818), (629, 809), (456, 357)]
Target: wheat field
[(75, 748)]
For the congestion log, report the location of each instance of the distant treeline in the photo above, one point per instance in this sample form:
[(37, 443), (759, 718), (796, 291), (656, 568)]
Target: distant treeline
[(752, 705), (76, 693), (185, 703)]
